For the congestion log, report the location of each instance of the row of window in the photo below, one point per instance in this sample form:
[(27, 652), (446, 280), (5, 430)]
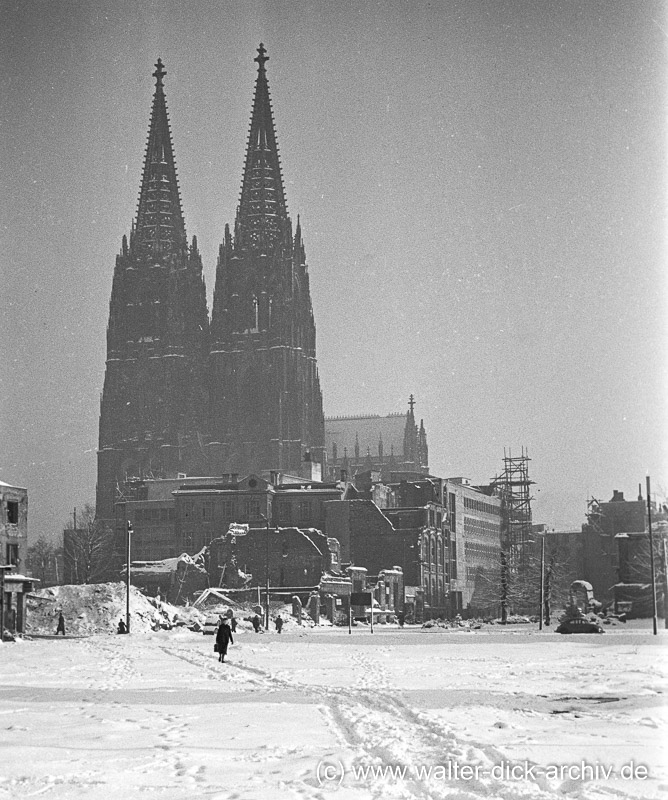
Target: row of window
[(481, 528), (481, 506), (246, 510), (154, 515), (477, 553)]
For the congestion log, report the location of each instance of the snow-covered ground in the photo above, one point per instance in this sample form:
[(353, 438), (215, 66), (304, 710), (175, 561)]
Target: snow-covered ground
[(319, 713)]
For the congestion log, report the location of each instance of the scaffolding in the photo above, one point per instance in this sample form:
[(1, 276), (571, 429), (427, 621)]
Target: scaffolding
[(513, 487)]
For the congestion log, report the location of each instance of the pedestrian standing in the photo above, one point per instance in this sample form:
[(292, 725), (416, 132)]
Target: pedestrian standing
[(61, 624), (223, 639), (279, 623), (233, 623), (256, 623)]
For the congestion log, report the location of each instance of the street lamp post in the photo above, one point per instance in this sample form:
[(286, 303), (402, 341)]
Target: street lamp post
[(664, 556), (651, 559), (542, 582), (127, 577), (266, 571)]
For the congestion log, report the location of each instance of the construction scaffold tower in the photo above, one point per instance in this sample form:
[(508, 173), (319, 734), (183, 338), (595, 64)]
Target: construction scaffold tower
[(513, 488)]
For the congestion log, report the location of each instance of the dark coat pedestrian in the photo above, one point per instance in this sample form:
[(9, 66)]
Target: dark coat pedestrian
[(233, 624), (279, 623), (223, 639), (122, 627), (61, 624), (256, 623)]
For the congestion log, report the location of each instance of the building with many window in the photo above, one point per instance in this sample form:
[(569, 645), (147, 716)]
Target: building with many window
[(13, 525)]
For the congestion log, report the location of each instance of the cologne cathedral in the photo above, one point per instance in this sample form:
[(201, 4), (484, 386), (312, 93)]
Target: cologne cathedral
[(184, 394), (238, 393)]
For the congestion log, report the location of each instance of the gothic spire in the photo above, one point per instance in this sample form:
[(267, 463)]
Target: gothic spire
[(159, 227), (262, 214), (410, 432)]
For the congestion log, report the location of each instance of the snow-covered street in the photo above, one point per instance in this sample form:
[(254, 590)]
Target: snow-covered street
[(321, 713)]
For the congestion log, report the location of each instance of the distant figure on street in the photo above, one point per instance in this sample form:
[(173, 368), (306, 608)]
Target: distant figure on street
[(233, 623), (122, 627), (223, 639), (279, 623), (256, 623), (61, 624), (401, 618)]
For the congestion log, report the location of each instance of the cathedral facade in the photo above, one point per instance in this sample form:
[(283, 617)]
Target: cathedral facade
[(185, 394)]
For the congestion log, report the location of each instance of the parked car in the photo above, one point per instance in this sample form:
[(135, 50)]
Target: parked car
[(211, 624), (579, 626)]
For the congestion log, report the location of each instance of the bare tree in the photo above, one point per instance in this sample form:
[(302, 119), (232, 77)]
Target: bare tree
[(88, 547), (506, 588), (43, 561)]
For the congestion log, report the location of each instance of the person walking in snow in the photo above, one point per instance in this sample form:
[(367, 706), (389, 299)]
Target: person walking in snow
[(233, 623), (223, 639), (61, 624), (256, 623), (279, 623)]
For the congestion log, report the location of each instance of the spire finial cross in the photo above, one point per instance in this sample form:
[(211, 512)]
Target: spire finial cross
[(411, 402), (261, 58), (160, 72)]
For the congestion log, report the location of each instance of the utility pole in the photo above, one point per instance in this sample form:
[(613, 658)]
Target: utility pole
[(127, 578), (266, 570), (542, 582), (665, 581), (75, 545), (651, 559)]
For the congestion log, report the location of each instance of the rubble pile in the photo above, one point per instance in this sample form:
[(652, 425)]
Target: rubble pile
[(97, 608)]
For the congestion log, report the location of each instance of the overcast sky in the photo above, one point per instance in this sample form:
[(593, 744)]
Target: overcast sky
[(482, 193)]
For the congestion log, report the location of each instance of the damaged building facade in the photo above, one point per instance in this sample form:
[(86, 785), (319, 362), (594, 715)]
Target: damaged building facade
[(13, 525)]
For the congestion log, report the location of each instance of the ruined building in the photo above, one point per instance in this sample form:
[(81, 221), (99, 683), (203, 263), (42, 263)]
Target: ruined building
[(181, 395)]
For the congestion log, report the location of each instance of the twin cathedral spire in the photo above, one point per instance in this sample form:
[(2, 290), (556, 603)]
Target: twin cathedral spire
[(240, 392)]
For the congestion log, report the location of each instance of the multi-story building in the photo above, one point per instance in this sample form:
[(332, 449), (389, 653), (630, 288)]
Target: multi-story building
[(411, 539), (182, 515), (474, 523), (13, 526), (605, 521)]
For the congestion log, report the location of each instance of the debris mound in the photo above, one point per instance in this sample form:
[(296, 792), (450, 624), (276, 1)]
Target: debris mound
[(96, 608)]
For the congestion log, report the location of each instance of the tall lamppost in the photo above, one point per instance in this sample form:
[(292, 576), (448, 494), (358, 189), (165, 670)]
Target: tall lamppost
[(651, 560), (266, 570), (542, 582), (127, 578)]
